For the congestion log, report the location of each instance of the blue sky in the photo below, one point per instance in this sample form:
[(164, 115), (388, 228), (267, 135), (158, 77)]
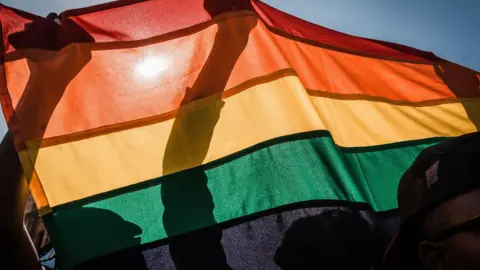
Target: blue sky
[(447, 28)]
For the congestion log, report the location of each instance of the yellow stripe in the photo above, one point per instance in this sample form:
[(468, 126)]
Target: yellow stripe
[(34, 184), (76, 170), (367, 123)]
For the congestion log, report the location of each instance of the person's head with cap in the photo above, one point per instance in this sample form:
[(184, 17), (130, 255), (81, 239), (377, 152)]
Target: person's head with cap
[(439, 200)]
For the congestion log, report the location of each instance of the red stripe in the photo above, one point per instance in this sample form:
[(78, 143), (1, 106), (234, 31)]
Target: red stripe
[(303, 29), (142, 20), (134, 20)]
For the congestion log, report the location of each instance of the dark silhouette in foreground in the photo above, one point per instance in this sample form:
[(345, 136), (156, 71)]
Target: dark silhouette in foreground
[(50, 74)]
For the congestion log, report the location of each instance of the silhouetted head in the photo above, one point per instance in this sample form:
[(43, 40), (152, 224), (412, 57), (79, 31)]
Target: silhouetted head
[(439, 200), (97, 231), (52, 16), (331, 240)]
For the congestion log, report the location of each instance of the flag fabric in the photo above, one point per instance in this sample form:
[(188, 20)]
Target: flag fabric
[(140, 122)]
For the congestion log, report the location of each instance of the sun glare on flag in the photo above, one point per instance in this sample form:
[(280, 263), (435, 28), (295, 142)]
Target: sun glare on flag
[(152, 66)]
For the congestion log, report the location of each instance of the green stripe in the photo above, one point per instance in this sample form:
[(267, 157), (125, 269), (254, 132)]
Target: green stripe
[(303, 167)]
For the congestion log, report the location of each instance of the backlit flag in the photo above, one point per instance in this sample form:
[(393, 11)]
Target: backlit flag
[(155, 119)]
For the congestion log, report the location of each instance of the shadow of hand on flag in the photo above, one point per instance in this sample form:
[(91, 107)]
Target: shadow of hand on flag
[(464, 83), (50, 73), (190, 140)]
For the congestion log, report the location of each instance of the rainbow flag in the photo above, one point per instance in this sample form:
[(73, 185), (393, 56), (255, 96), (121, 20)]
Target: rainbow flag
[(155, 119)]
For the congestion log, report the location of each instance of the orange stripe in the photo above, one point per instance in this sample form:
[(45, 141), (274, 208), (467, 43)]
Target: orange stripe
[(56, 93)]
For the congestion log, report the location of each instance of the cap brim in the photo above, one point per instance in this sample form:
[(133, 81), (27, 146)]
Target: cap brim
[(402, 252)]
